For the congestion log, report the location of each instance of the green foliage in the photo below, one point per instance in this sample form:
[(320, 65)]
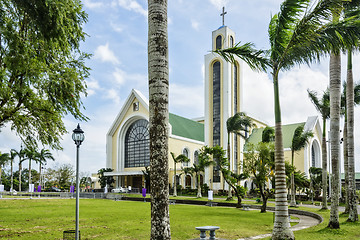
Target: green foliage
[(105, 180), (268, 135), (239, 123), (62, 176), (42, 69)]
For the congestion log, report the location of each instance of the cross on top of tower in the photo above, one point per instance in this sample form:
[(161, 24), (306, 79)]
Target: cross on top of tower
[(223, 16)]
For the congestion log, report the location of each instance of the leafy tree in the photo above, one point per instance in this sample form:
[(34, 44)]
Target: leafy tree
[(42, 157), (323, 107), (4, 159), (233, 179), (299, 141), (42, 69), (258, 163), (158, 71), (199, 166), (300, 33), (237, 124), (179, 159), (105, 180)]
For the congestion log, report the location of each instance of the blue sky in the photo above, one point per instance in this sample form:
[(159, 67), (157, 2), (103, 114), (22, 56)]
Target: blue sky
[(117, 39)]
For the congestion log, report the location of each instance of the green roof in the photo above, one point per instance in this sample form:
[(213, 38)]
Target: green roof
[(184, 127), (287, 131)]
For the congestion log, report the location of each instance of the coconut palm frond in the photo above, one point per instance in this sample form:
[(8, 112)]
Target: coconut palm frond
[(256, 59)]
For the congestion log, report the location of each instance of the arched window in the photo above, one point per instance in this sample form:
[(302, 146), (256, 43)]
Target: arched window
[(313, 160), (231, 41), (196, 157), (188, 181), (218, 42), (315, 154), (137, 144), (185, 152)]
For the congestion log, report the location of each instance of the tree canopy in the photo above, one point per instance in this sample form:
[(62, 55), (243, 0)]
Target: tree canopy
[(42, 69)]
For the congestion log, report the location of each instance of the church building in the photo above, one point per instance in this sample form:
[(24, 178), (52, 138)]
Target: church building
[(128, 137)]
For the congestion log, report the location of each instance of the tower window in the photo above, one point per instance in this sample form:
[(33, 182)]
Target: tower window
[(231, 41), (185, 152), (218, 42), (235, 89), (216, 115)]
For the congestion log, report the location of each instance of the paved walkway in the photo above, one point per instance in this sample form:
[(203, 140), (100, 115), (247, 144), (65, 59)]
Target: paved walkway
[(304, 222)]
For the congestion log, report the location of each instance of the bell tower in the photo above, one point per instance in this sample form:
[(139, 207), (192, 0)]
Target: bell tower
[(223, 86)]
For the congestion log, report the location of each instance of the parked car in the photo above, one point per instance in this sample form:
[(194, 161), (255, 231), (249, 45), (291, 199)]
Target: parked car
[(119, 190), (54, 189)]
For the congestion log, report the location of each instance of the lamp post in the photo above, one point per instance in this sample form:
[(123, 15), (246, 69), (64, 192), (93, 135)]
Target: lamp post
[(78, 137)]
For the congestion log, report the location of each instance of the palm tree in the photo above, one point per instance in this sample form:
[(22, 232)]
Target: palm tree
[(351, 202), (158, 70), (237, 124), (299, 141), (41, 158), (199, 167), (300, 33), (21, 156), (4, 158), (179, 159), (31, 155), (323, 107), (13, 154)]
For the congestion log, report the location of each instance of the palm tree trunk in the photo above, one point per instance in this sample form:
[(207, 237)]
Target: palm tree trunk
[(158, 69), (324, 166), (335, 89), (12, 177), (19, 175), (293, 201), (29, 172), (346, 165), (198, 186), (175, 181), (229, 155), (353, 214), (281, 228)]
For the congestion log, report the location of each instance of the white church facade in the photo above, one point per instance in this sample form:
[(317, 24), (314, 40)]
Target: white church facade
[(128, 137)]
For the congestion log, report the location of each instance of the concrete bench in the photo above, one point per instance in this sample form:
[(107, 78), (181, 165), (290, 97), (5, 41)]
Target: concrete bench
[(203, 230), (210, 204), (246, 207), (172, 201)]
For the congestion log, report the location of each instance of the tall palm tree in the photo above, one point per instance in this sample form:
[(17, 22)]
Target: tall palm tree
[(299, 141), (158, 70), (21, 156), (323, 106), (237, 124), (4, 159), (300, 33), (13, 154), (179, 159), (41, 158), (350, 103), (30, 154)]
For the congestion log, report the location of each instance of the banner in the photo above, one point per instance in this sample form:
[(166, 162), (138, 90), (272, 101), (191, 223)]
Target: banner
[(31, 187), (210, 195)]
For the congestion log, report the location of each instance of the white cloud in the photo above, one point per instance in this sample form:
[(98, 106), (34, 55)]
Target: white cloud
[(116, 27), (132, 5), (195, 25), (104, 53), (113, 95), (189, 99), (92, 4), (219, 3), (119, 76), (92, 86)]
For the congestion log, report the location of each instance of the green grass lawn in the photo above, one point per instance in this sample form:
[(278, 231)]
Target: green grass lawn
[(106, 219)]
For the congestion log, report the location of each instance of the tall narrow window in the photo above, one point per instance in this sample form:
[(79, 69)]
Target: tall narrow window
[(196, 157), (218, 42), (313, 160), (236, 153), (231, 41), (216, 114), (185, 152), (235, 89), (137, 144)]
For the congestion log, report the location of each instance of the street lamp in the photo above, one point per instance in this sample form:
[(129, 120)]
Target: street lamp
[(78, 137)]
